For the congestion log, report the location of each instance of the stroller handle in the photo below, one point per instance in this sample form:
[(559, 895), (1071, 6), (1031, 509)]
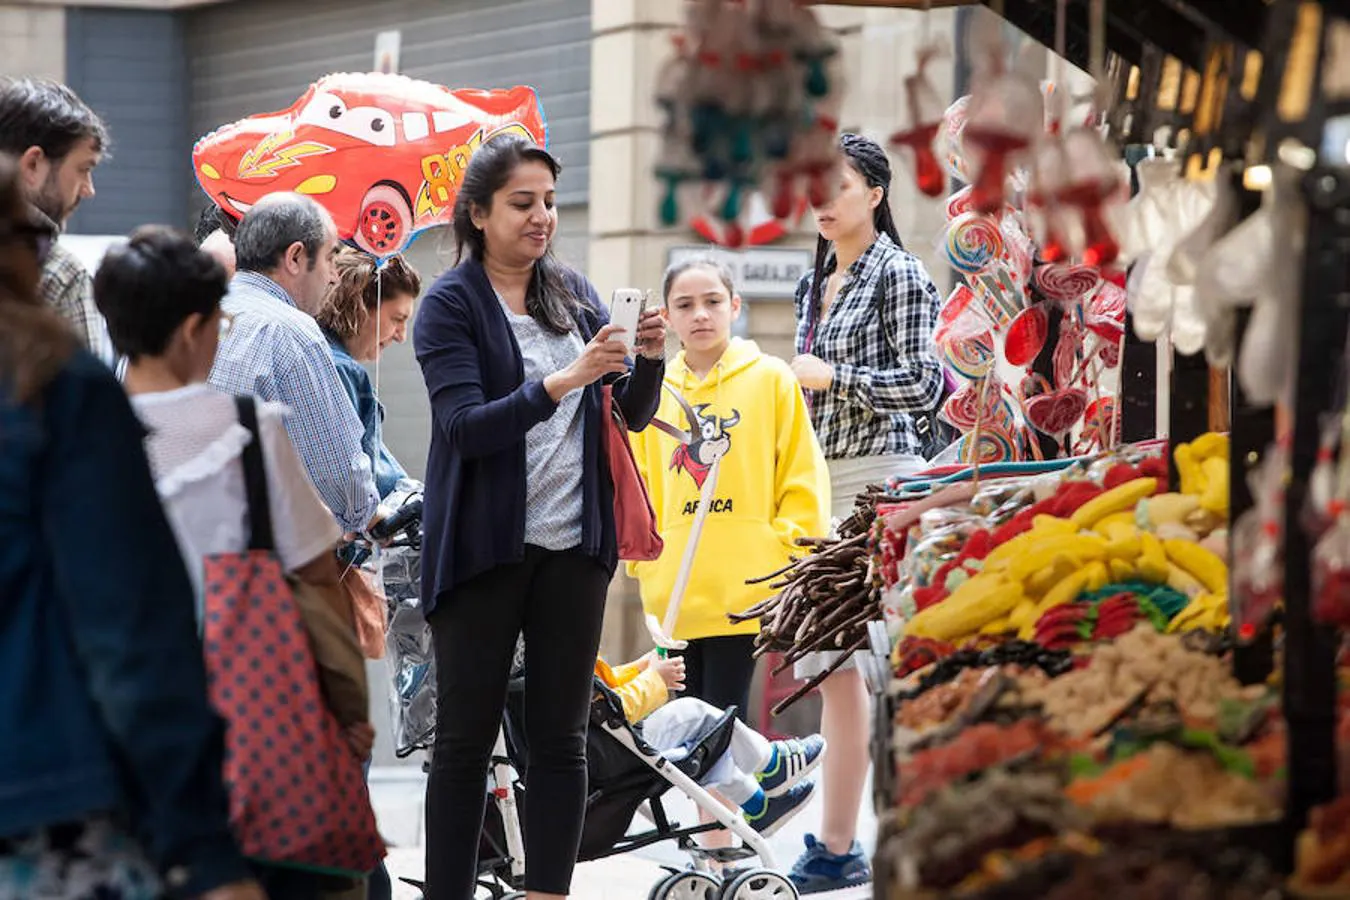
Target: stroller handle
[(407, 515)]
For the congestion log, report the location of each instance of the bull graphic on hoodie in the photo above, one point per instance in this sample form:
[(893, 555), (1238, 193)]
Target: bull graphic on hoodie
[(712, 440)]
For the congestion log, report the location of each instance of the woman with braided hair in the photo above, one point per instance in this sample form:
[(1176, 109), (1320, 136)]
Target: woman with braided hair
[(866, 357)]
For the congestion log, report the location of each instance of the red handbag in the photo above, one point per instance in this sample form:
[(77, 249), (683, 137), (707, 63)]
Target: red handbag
[(634, 517), (297, 793)]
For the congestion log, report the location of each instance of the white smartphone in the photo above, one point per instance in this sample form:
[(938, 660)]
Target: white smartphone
[(625, 310)]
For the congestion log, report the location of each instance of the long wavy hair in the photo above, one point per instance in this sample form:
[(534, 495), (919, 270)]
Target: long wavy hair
[(548, 299), (34, 341)]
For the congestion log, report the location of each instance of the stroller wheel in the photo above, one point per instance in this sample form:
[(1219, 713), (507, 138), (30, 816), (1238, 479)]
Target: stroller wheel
[(759, 884), (688, 885)]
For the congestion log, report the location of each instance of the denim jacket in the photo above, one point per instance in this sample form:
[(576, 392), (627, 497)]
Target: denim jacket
[(361, 392), (104, 705)]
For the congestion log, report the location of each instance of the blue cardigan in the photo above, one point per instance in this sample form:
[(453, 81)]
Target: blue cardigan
[(104, 704), (481, 408)]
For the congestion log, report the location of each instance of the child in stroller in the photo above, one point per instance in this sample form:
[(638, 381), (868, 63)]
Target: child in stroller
[(628, 774), (765, 779)]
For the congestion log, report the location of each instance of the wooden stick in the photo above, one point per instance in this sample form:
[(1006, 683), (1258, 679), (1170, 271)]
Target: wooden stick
[(815, 682)]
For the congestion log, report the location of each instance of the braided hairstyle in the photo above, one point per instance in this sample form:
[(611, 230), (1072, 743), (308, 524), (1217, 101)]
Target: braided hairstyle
[(869, 160)]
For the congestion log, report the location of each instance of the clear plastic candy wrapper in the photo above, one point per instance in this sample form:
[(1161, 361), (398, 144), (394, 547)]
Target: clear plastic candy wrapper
[(411, 661)]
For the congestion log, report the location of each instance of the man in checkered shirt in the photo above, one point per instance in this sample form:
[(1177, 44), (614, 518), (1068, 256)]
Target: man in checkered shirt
[(58, 141), (285, 250)]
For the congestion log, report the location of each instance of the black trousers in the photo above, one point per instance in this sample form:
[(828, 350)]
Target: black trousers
[(558, 600), (718, 671)]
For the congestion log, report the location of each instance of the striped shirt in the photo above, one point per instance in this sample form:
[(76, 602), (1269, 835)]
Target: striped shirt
[(277, 352), (878, 335)]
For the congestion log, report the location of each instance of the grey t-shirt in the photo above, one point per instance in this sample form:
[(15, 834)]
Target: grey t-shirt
[(553, 448)]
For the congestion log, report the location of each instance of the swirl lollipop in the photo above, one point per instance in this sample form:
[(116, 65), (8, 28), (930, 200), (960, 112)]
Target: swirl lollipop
[(970, 357), (993, 445), (974, 242), (1066, 282), (960, 203), (949, 146), (962, 409)]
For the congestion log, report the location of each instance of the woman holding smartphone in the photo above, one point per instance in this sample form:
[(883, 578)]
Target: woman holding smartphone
[(519, 520)]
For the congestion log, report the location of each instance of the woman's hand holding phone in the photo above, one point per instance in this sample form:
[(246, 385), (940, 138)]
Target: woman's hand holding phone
[(651, 334), (602, 356)]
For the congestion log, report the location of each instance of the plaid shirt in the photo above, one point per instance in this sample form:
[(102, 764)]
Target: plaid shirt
[(878, 335), (69, 290), (276, 352)]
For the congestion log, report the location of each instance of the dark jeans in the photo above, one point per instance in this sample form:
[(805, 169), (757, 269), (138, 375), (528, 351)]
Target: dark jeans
[(718, 671), (558, 600)]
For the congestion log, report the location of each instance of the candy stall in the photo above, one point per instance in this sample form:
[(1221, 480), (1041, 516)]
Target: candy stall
[(1106, 663)]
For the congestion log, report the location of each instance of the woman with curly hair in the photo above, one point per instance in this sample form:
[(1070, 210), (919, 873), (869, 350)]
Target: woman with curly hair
[(367, 310)]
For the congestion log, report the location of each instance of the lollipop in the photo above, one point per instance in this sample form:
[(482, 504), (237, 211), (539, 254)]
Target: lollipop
[(970, 357), (949, 145), (960, 317), (959, 203), (962, 409), (1066, 282), (994, 445), (1026, 336), (973, 243), (1056, 412)]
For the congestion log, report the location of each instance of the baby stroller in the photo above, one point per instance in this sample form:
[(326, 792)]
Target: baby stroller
[(626, 777), (412, 665)]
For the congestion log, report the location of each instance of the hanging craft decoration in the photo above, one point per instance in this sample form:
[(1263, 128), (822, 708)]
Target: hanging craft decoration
[(382, 153), (750, 103)]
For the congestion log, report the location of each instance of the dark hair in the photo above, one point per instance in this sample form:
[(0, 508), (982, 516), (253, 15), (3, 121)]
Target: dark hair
[(358, 290), (272, 225), (870, 162), (37, 112), (149, 286), (701, 261), (548, 299), (211, 220), (34, 341)]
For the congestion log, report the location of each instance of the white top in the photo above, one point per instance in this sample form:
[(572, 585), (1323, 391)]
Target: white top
[(195, 448), (553, 448)]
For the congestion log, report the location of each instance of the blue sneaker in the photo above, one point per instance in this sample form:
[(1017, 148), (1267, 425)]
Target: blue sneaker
[(818, 870), (778, 810), (789, 763)]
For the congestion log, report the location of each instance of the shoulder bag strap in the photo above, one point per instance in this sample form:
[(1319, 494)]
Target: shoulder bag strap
[(255, 479)]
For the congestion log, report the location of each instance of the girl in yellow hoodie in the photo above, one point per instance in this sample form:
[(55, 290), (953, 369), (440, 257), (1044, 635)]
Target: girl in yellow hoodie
[(772, 488)]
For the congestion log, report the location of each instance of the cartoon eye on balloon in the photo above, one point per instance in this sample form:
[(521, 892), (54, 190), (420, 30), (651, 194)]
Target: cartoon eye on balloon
[(383, 153)]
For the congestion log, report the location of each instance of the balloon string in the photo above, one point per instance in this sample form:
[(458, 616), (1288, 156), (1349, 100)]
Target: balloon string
[(379, 321)]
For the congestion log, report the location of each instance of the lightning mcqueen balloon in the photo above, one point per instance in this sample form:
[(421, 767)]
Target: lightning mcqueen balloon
[(384, 154)]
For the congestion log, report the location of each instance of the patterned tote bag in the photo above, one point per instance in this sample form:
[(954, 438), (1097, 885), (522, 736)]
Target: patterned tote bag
[(297, 793)]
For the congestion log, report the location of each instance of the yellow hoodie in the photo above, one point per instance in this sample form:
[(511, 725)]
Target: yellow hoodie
[(772, 488)]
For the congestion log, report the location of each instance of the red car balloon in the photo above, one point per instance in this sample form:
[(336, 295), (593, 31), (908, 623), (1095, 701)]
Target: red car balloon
[(383, 153)]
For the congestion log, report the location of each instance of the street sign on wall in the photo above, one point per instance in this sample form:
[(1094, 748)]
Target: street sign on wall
[(758, 272)]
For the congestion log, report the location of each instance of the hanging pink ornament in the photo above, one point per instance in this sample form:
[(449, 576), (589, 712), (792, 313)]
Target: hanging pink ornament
[(1026, 336), (924, 106), (1004, 117), (1066, 282), (1092, 183)]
